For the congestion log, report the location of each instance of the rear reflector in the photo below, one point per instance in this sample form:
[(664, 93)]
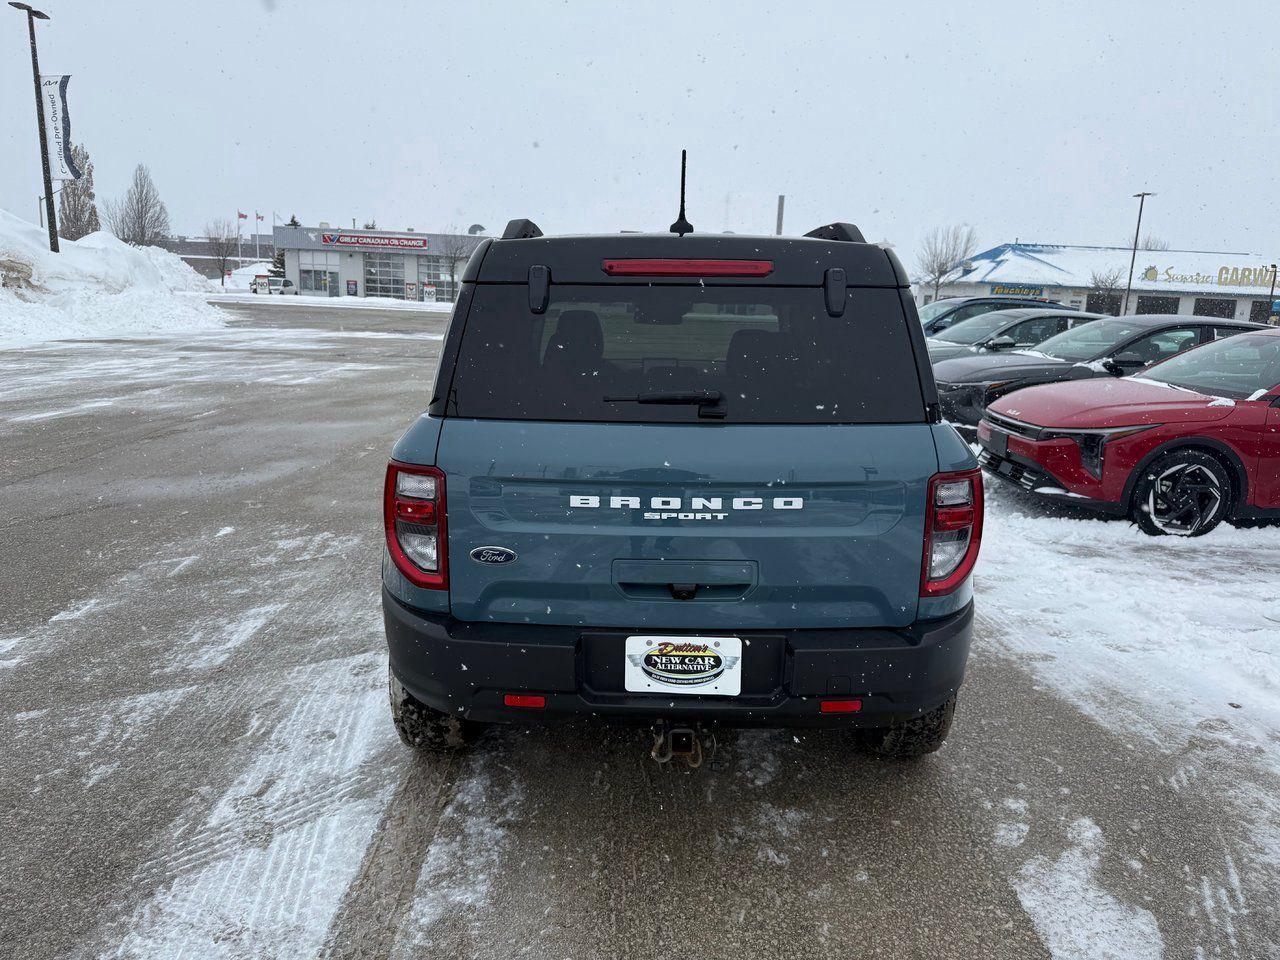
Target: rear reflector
[(841, 706), (534, 700), (687, 268)]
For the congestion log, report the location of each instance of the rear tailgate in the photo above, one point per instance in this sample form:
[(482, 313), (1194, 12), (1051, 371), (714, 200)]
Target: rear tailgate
[(774, 526)]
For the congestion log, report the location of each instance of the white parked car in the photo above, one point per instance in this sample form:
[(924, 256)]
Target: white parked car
[(269, 285)]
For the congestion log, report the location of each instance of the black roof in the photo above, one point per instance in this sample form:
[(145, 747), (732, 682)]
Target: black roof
[(797, 261)]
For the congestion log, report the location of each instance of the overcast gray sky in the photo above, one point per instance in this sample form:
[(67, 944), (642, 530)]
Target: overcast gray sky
[(1035, 121)]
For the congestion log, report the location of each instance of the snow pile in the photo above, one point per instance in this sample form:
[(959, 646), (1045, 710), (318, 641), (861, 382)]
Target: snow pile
[(97, 286), (241, 277)]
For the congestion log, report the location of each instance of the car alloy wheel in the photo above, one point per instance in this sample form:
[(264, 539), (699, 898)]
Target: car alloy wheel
[(1184, 499)]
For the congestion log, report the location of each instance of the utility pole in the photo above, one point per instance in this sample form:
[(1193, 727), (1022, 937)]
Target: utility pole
[(256, 254), (32, 16), (782, 200), (1142, 198)]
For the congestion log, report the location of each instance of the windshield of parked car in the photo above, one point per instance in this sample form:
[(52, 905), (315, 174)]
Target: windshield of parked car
[(1088, 342), (1237, 367), (683, 354), (975, 329), (931, 310)]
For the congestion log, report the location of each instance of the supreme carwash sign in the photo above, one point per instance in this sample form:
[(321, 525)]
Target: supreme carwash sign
[(370, 241)]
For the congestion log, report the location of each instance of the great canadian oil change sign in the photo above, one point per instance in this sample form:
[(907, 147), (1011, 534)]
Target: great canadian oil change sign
[(365, 240)]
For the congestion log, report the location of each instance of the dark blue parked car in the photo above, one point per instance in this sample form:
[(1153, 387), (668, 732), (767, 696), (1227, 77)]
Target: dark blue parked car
[(682, 480)]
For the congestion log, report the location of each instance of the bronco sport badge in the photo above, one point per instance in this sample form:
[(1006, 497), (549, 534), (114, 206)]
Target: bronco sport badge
[(678, 508)]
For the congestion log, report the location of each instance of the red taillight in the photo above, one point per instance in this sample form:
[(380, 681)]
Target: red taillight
[(952, 531), (687, 268), (413, 515), (533, 700), (841, 706)]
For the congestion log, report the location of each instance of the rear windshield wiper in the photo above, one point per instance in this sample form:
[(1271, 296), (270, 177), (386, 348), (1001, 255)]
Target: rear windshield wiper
[(710, 403)]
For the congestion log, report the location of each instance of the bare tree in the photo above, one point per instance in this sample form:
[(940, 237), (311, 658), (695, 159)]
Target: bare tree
[(140, 216), (77, 209), (942, 251), (1105, 281), (453, 251), (221, 235), (1152, 242)]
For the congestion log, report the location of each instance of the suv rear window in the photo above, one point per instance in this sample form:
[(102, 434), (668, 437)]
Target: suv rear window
[(772, 353)]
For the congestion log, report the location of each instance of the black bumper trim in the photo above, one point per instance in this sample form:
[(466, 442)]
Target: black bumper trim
[(465, 668), (1028, 477)]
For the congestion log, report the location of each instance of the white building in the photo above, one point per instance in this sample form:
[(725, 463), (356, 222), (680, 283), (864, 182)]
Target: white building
[(1198, 282), (325, 261)]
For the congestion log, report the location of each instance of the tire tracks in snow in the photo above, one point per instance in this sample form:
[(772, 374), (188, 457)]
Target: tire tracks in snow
[(374, 905)]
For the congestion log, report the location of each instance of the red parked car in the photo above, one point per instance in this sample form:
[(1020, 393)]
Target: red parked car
[(1190, 442)]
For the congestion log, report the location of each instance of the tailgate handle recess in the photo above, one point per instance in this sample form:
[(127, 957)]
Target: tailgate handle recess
[(683, 591)]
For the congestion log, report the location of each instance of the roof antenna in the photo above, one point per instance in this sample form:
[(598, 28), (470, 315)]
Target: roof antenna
[(682, 226)]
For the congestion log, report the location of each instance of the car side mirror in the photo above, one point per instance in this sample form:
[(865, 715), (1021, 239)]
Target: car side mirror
[(1000, 343), (1123, 363)]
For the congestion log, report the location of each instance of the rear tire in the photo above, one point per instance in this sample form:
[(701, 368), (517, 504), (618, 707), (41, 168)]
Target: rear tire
[(1185, 493), (910, 739), (426, 728)]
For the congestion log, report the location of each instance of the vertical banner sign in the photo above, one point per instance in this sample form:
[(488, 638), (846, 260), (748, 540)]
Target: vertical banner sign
[(57, 124)]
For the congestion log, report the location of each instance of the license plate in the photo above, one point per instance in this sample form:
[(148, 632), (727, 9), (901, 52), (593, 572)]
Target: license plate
[(997, 443), (701, 666)]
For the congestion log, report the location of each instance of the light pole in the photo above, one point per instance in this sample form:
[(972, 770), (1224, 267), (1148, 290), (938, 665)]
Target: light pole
[(1271, 299), (32, 16), (1142, 198)]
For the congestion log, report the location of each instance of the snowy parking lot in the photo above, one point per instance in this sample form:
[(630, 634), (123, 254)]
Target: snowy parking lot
[(199, 760)]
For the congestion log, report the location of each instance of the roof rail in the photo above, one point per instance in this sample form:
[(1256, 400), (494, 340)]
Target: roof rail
[(846, 232), (521, 230)]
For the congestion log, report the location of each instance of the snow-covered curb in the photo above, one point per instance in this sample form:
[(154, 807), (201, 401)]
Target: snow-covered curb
[(325, 303)]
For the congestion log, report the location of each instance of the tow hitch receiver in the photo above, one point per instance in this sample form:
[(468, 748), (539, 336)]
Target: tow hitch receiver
[(690, 744)]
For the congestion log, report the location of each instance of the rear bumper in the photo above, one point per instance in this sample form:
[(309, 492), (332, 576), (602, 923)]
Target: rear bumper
[(466, 668)]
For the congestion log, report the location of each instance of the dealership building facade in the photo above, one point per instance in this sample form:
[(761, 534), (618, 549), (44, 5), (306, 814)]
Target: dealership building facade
[(1195, 282), (326, 262)]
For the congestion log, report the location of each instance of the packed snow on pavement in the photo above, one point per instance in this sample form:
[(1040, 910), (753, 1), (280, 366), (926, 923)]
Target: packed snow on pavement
[(1175, 639), (97, 286)]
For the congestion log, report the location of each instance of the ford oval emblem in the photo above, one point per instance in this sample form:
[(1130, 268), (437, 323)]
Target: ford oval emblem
[(493, 555)]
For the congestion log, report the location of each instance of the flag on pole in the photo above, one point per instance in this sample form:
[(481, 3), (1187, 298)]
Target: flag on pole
[(53, 101), (257, 215), (241, 216)]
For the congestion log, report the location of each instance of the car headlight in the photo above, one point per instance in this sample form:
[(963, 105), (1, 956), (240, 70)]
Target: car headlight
[(1092, 443)]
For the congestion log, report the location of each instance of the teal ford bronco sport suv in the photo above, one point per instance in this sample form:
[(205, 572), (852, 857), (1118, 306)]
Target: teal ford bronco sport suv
[(682, 480)]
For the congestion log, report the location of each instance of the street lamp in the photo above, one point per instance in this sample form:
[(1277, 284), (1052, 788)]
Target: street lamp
[(1142, 198), (1271, 300), (32, 16)]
